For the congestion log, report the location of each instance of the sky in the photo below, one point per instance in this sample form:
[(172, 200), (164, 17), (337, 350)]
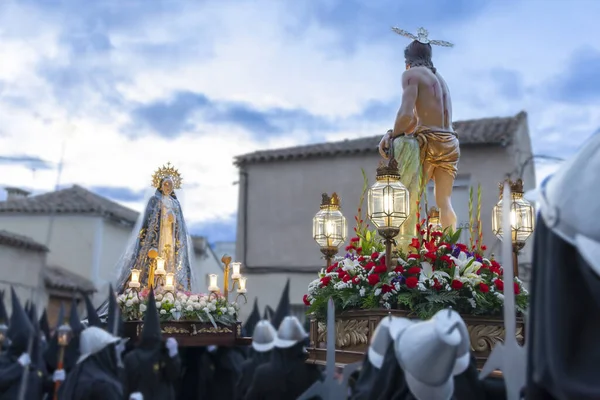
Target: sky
[(117, 88)]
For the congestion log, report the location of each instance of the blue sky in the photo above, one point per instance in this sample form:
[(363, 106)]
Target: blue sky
[(131, 84)]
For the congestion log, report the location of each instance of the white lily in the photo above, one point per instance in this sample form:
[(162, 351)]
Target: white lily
[(466, 269), (428, 274), (349, 264)]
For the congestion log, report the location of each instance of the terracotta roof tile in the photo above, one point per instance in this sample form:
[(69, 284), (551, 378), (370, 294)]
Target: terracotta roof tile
[(73, 200), (497, 131), (20, 241), (62, 279)]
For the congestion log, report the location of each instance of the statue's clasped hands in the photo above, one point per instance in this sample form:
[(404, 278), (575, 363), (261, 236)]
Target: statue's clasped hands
[(384, 144)]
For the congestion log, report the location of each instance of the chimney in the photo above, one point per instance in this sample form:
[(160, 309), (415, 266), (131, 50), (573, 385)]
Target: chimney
[(14, 193)]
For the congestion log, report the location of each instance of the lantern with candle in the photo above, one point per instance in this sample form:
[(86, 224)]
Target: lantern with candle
[(388, 204), (329, 226), (134, 283)]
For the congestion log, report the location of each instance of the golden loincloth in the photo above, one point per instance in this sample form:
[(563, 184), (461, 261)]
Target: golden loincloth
[(439, 148)]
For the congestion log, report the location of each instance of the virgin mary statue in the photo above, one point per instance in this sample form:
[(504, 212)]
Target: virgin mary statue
[(161, 243)]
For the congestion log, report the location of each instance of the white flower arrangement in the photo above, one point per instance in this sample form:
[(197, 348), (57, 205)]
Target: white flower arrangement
[(181, 306)]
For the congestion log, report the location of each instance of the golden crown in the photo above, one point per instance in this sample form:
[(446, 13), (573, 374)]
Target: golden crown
[(167, 171)]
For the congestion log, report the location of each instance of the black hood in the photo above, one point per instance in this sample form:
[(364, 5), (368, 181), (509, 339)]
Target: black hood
[(268, 315), (45, 325), (3, 313), (72, 350), (92, 316), (114, 321), (253, 318), (20, 328), (151, 330), (283, 308)]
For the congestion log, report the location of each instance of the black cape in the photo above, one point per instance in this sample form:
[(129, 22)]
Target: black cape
[(564, 322), (95, 378), (152, 372), (286, 376), (248, 368)]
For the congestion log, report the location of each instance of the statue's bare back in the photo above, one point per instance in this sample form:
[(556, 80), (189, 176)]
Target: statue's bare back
[(433, 106)]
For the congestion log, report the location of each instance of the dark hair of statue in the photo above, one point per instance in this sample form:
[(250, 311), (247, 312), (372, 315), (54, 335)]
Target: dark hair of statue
[(418, 54)]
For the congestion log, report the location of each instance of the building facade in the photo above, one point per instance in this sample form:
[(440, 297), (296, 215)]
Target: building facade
[(280, 191), (86, 233)]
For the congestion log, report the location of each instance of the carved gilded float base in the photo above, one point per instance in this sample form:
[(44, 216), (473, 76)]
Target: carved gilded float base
[(354, 329), (193, 333)]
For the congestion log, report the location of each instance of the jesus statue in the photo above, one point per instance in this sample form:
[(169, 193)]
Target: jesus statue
[(426, 114)]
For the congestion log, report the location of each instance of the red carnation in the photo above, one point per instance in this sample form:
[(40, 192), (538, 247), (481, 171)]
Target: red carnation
[(356, 280), (332, 267), (499, 284), (354, 240), (373, 279), (414, 270), (342, 274), (361, 259), (375, 256), (411, 282), (346, 278), (517, 288), (437, 285), (369, 265), (359, 250), (456, 285), (399, 269), (325, 280), (483, 288), (380, 269), (386, 288), (382, 260), (305, 300), (483, 247), (461, 247), (431, 256)]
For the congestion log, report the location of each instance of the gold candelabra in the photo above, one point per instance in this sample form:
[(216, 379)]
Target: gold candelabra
[(231, 272)]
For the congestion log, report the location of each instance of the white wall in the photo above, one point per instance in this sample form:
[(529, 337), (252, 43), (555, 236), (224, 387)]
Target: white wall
[(22, 268)]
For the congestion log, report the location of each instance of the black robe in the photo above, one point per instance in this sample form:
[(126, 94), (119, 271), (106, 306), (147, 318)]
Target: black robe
[(364, 384), (95, 378), (564, 322), (152, 372), (247, 370), (11, 373), (286, 376)]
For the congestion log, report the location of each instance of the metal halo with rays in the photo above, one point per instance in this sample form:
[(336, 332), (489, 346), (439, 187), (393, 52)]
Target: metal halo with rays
[(422, 36), (165, 171)]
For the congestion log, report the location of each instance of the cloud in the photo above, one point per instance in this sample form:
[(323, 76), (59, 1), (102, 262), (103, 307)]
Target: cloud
[(174, 116), (128, 86), (121, 194), (578, 83)]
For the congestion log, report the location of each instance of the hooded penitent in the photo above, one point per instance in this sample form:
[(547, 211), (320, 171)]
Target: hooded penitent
[(253, 318), (72, 350), (283, 307), (51, 353), (287, 375), (45, 325), (92, 316), (20, 333), (114, 321), (268, 314), (427, 351), (564, 314), (373, 361), (150, 369), (96, 372)]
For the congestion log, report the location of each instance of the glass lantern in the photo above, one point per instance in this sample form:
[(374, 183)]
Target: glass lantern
[(388, 200), (170, 282), (64, 334), (160, 267), (135, 278), (522, 215), (213, 283), (242, 284), (329, 224), (235, 266)]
